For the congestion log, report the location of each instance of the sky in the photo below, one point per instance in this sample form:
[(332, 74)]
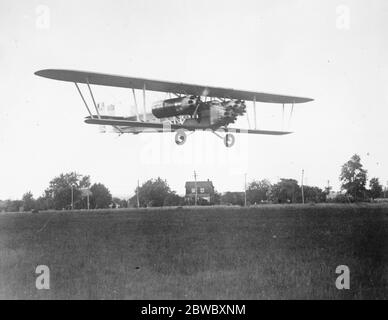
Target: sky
[(332, 51)]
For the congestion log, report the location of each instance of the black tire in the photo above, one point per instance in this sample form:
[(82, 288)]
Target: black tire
[(229, 140), (180, 137)]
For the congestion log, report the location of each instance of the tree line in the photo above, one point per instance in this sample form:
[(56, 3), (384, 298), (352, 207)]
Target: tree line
[(70, 190), (353, 178), (64, 192)]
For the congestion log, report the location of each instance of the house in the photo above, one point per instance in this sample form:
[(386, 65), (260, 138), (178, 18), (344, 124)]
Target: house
[(205, 191)]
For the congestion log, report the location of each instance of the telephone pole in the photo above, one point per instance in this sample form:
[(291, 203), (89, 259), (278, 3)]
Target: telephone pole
[(302, 187), (137, 194), (72, 197), (245, 191), (385, 191), (195, 183)]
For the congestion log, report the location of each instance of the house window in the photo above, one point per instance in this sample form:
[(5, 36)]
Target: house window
[(202, 190), (192, 190)]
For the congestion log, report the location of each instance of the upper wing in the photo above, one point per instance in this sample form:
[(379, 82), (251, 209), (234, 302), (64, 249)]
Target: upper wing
[(160, 127), (166, 86)]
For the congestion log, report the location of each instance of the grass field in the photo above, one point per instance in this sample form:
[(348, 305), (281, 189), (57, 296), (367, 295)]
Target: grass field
[(269, 252)]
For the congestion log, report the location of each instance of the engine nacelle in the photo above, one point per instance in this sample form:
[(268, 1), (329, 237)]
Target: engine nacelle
[(175, 107)]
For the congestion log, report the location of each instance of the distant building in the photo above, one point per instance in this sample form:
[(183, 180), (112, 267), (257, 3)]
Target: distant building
[(205, 191)]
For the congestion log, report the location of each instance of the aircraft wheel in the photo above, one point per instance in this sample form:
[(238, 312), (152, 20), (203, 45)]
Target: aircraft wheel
[(180, 137), (229, 140)]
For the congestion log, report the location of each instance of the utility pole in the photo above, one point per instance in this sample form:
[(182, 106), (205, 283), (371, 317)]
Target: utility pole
[(137, 194), (245, 191), (195, 183), (72, 198), (328, 187), (302, 187), (386, 189)]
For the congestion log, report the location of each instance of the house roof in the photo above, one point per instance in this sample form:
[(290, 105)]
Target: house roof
[(200, 184)]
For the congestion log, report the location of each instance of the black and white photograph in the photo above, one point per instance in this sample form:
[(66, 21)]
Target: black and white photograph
[(192, 150)]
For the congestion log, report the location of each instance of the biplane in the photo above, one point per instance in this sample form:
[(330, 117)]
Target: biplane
[(188, 108)]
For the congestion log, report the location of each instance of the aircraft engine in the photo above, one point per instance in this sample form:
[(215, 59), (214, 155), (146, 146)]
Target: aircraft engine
[(175, 107), (226, 112)]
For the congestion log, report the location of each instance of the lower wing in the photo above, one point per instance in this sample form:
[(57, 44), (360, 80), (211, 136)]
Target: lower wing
[(124, 125), (250, 131)]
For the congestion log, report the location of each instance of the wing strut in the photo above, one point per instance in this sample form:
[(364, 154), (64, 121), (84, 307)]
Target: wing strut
[(249, 123), (144, 102), (292, 110), (94, 102), (137, 111), (83, 99), (254, 110)]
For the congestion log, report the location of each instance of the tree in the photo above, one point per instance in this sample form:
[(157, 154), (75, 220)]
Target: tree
[(258, 191), (216, 198), (62, 188), (3, 206), (13, 205), (44, 203), (152, 193), (353, 178), (376, 189), (285, 191), (327, 190), (314, 194), (122, 203), (28, 201), (101, 196), (233, 198), (172, 199)]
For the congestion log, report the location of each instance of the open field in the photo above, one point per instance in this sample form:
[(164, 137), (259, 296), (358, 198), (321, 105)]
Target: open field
[(269, 252)]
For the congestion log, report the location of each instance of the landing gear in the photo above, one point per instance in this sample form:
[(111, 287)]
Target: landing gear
[(180, 137), (229, 140)]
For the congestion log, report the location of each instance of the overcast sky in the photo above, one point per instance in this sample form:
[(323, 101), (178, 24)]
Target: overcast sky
[(333, 51)]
